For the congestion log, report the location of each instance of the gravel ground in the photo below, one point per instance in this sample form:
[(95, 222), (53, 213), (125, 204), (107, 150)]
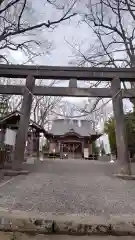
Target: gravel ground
[(70, 186)]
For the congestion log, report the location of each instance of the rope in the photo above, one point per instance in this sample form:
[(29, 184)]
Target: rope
[(77, 116), (86, 114)]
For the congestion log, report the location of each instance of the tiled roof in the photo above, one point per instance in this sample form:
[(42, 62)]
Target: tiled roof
[(63, 126), (16, 115)]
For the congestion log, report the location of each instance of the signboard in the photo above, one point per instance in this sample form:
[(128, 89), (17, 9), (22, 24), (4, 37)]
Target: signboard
[(10, 137), (86, 152)]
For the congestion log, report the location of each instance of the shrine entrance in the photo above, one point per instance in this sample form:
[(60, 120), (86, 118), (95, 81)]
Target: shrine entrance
[(113, 75), (71, 150)]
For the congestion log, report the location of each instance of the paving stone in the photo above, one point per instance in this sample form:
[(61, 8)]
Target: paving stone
[(125, 177), (8, 172), (21, 236), (18, 221)]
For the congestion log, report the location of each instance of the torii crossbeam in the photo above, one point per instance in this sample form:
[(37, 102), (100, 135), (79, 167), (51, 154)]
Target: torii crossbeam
[(115, 75)]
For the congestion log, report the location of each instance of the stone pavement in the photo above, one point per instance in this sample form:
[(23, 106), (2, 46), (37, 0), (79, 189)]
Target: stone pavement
[(70, 186), (20, 236)]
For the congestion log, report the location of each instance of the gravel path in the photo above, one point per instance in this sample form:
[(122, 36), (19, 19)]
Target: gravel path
[(70, 187)]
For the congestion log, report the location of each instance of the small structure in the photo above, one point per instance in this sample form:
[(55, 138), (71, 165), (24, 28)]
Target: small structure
[(9, 126), (72, 138)]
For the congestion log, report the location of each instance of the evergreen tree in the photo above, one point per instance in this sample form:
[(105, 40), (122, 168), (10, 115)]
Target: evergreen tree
[(109, 128)]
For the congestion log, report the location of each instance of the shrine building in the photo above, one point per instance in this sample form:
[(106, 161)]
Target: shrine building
[(72, 138)]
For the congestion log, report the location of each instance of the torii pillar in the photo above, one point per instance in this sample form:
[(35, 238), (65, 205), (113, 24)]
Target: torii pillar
[(21, 136), (120, 128), (73, 83)]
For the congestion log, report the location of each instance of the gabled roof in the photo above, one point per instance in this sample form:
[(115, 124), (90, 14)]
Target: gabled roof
[(14, 117), (63, 126)]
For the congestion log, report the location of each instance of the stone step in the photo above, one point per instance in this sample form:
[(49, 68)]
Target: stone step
[(10, 172), (23, 236), (72, 224)]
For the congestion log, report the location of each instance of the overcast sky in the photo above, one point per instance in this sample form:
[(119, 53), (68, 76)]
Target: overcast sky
[(72, 31), (66, 34)]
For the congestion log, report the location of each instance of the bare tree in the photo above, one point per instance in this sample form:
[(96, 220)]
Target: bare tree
[(113, 27), (22, 29), (20, 26), (42, 108), (90, 58), (115, 30)]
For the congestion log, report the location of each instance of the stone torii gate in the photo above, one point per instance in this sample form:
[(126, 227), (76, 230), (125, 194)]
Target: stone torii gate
[(115, 75)]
